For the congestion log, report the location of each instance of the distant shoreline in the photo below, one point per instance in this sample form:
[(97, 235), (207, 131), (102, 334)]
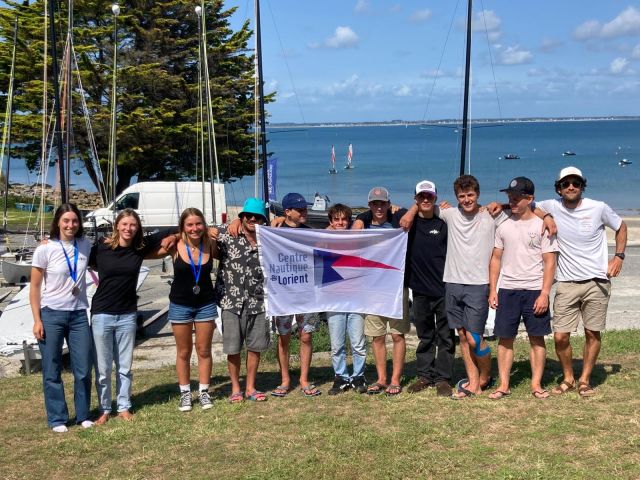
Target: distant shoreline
[(446, 122)]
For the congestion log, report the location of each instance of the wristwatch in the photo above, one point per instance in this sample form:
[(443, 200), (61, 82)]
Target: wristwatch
[(620, 255)]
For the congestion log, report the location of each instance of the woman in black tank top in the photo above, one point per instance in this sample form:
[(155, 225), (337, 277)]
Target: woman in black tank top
[(192, 304)]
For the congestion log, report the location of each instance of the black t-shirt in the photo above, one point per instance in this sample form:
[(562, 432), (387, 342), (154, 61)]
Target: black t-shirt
[(366, 217), (118, 275), (426, 253), (302, 225)]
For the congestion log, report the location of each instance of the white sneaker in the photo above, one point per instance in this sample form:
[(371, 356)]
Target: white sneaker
[(60, 429), (87, 424)]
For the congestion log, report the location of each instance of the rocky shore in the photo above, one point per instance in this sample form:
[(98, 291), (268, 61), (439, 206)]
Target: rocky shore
[(83, 199)]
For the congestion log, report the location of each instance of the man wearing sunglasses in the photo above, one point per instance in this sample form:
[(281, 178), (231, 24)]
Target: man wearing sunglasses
[(583, 273), (239, 288), (426, 253)]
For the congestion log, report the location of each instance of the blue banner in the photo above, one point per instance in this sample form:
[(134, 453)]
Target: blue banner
[(272, 177)]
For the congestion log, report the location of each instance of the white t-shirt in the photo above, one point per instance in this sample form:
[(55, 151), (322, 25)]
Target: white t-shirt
[(522, 245), (470, 241), (582, 240), (58, 284)]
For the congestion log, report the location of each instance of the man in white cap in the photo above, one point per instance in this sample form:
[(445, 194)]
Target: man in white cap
[(426, 253), (583, 274)]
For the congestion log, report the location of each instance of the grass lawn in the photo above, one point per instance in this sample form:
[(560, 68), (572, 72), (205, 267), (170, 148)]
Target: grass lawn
[(347, 436)]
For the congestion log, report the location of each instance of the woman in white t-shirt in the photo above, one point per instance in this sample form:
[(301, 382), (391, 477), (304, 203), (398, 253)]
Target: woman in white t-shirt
[(59, 304)]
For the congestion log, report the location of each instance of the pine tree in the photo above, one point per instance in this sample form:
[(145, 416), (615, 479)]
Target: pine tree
[(157, 81)]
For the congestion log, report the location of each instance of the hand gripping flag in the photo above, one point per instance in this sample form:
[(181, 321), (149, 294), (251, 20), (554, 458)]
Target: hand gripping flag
[(309, 270)]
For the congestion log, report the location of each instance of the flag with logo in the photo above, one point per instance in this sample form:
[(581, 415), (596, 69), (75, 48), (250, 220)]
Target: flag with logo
[(308, 270)]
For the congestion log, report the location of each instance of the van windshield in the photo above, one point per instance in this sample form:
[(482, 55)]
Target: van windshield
[(130, 200)]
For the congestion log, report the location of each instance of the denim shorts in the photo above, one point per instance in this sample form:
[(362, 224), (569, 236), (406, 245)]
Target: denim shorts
[(188, 313)]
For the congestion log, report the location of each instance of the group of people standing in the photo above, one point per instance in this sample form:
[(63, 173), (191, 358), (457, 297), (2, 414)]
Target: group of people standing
[(461, 261)]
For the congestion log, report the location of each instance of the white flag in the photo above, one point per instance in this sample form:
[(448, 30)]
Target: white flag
[(308, 270)]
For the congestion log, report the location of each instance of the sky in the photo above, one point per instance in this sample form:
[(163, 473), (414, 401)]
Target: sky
[(377, 60)]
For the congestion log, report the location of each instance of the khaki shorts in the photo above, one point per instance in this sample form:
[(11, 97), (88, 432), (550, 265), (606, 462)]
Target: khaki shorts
[(585, 300), (376, 325)]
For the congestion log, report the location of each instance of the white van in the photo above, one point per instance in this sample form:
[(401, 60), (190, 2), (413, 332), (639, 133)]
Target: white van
[(160, 204)]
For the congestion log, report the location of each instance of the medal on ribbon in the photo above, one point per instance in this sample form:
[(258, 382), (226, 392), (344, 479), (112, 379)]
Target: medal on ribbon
[(73, 271), (195, 270)]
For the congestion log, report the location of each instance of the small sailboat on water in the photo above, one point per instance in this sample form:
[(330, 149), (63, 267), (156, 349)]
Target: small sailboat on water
[(333, 160), (349, 164), (624, 162)]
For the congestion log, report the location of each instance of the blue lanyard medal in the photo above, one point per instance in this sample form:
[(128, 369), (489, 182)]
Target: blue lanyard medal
[(194, 270), (73, 272)]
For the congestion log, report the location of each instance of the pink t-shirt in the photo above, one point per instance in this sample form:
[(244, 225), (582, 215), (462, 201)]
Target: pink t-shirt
[(522, 245)]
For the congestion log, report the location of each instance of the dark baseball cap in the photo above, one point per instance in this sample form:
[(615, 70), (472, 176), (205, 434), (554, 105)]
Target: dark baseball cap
[(293, 200), (521, 185)]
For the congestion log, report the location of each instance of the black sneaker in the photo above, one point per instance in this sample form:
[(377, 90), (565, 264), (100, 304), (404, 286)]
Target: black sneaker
[(339, 385), (185, 402), (359, 384)]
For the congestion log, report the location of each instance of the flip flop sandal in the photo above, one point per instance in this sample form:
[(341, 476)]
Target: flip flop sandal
[(499, 395), (393, 390), (559, 390), (461, 389), (541, 394), (257, 396), (236, 397), (585, 390), (461, 382), (281, 391), (376, 388), (310, 391)]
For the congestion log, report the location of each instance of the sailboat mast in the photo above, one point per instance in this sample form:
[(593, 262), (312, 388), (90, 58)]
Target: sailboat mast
[(68, 92), (263, 129), (9, 121), (56, 95), (465, 113)]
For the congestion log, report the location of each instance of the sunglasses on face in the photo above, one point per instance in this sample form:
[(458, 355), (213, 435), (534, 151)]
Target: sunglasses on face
[(257, 218), (426, 196), (575, 183)]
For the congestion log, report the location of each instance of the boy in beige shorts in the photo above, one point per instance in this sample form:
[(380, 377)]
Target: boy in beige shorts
[(375, 326)]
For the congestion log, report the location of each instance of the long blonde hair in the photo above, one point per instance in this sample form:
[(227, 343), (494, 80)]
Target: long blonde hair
[(138, 239), (206, 241)]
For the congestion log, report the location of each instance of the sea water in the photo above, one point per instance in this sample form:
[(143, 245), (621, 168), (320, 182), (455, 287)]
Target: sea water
[(398, 156)]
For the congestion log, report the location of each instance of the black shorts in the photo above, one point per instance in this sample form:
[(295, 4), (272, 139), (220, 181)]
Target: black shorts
[(514, 305)]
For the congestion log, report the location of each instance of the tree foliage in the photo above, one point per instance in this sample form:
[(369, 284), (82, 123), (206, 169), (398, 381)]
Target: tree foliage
[(157, 84)]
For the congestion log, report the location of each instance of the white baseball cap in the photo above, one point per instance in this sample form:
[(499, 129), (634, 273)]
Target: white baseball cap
[(570, 171), (425, 186)]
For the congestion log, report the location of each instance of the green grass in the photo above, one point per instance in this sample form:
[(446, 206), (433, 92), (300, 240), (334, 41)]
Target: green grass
[(347, 436)]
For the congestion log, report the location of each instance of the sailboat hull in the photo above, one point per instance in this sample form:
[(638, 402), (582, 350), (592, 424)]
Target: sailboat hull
[(16, 271)]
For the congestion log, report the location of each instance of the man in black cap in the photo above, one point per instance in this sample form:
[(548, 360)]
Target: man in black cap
[(525, 261)]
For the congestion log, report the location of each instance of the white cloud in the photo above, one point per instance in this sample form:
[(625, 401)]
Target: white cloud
[(619, 66), (626, 23), (537, 72), (635, 53), (353, 86), (362, 6), (343, 37), (515, 56), (420, 16), (402, 91), (486, 19), (549, 45), (587, 30)]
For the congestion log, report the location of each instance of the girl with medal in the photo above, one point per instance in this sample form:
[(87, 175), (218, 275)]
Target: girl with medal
[(192, 304), (59, 304)]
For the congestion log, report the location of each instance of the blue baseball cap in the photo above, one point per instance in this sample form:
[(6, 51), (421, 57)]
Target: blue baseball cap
[(293, 200), (254, 206)]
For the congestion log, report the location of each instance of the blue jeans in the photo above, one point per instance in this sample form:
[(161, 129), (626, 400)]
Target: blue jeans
[(341, 324), (74, 327), (114, 337)]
